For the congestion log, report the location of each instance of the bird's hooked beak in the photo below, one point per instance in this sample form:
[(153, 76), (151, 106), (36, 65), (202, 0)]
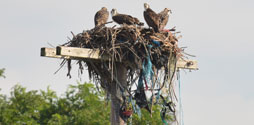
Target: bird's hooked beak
[(170, 11)]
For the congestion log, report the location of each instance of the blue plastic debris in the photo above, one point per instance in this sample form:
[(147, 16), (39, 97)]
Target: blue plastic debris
[(157, 43)]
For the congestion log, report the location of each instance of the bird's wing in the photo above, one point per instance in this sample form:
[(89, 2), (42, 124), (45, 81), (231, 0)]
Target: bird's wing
[(101, 17), (152, 19)]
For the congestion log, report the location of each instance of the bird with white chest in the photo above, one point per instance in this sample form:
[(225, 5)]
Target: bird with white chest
[(164, 15)]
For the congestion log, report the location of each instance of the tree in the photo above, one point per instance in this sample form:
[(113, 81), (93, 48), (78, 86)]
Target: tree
[(81, 104), (2, 73)]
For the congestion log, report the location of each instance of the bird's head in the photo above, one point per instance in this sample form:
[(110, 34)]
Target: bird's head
[(168, 11), (113, 12), (104, 8), (146, 6)]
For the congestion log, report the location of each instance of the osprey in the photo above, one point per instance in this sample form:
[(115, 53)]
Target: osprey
[(152, 19), (125, 19), (164, 17), (101, 17)]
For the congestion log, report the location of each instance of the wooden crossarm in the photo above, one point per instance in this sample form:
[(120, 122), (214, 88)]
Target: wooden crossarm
[(94, 54), (187, 64), (85, 53), (50, 52)]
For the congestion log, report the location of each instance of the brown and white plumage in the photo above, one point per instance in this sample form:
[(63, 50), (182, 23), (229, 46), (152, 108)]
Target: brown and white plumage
[(164, 15), (101, 17), (124, 18), (152, 19)]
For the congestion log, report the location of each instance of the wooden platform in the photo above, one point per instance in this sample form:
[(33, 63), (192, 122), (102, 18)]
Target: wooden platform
[(90, 54)]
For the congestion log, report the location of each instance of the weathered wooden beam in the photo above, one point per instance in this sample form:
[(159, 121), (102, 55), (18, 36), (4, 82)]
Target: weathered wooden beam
[(187, 64), (50, 52), (80, 53), (94, 54)]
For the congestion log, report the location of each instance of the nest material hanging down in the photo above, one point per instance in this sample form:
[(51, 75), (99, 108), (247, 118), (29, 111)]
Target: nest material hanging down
[(150, 58)]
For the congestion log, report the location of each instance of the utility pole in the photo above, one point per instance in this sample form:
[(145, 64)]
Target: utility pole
[(121, 75)]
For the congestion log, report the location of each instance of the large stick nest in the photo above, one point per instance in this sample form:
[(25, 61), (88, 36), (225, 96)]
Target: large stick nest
[(136, 48), (129, 45)]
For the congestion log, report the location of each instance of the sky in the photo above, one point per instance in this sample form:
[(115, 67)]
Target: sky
[(218, 32)]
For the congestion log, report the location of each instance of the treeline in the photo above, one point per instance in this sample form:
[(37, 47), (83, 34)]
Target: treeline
[(81, 104)]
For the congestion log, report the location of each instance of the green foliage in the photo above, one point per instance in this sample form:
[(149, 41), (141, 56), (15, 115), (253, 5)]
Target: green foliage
[(146, 118), (2, 73), (81, 104), (22, 107)]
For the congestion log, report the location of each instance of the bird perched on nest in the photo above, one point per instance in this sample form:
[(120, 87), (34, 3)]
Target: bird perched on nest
[(164, 15), (101, 17), (125, 19), (152, 19)]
